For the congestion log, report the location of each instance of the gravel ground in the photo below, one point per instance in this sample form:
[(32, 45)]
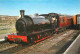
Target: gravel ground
[(6, 45)]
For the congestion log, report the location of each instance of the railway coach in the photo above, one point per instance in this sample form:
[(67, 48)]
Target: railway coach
[(35, 28), (76, 21)]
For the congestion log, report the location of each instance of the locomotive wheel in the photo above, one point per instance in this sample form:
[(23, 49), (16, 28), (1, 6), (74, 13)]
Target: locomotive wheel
[(10, 42), (32, 39), (19, 40), (62, 30), (40, 36), (57, 32)]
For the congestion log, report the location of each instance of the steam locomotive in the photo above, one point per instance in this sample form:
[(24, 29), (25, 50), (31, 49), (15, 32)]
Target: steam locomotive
[(34, 28)]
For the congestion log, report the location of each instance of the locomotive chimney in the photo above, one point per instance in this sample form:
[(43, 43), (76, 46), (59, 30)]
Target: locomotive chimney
[(22, 13)]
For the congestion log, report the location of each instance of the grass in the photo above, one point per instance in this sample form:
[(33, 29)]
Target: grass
[(7, 26), (11, 30)]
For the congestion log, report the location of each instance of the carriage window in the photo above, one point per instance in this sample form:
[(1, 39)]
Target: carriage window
[(63, 20)]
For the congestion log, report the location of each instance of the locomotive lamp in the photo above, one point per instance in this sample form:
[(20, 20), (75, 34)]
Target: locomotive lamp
[(22, 13)]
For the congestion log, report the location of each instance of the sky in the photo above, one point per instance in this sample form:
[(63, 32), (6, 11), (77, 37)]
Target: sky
[(13, 7)]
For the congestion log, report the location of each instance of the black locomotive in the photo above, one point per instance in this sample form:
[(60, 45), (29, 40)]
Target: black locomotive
[(35, 23)]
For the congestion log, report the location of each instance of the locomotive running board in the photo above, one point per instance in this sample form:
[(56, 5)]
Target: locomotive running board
[(42, 39)]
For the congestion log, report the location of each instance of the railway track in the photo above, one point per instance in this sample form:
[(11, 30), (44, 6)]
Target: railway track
[(41, 47), (5, 46)]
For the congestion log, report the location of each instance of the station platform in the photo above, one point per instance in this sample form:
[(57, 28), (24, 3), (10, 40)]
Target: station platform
[(74, 48)]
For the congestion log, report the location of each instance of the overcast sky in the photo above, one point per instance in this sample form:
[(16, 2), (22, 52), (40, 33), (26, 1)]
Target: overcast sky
[(12, 7)]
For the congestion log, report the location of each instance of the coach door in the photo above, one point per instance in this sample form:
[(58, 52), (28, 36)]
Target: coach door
[(78, 19), (78, 22)]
